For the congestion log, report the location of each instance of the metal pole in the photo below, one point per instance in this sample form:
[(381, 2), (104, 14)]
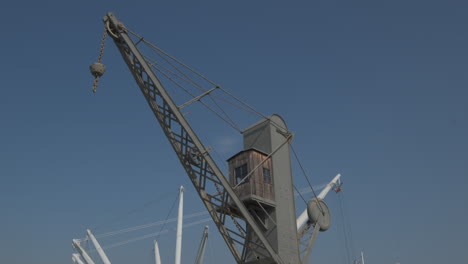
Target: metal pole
[(76, 258), (179, 226), (201, 249), (81, 251), (325, 191), (98, 247), (157, 257)]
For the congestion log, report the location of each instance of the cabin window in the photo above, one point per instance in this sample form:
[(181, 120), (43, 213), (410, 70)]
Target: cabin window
[(266, 175), (241, 172)]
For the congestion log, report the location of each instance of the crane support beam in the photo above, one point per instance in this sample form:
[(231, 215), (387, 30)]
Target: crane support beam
[(208, 180), (157, 257), (76, 244), (76, 258), (201, 249), (198, 98), (312, 239), (327, 188), (100, 251)]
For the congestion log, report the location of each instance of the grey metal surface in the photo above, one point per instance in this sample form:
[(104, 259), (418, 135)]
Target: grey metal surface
[(201, 248), (266, 136), (319, 214), (211, 185), (312, 239)]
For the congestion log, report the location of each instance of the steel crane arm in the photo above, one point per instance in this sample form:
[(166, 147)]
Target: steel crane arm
[(201, 249), (210, 183)]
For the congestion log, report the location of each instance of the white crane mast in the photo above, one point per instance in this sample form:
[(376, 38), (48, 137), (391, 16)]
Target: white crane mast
[(179, 226), (157, 257), (327, 188), (303, 218), (100, 251), (81, 251), (76, 258), (201, 249)]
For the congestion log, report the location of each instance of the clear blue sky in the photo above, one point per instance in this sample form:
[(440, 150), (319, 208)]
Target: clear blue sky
[(375, 90)]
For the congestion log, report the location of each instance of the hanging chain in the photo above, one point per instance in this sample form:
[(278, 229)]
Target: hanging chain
[(99, 60), (103, 41)]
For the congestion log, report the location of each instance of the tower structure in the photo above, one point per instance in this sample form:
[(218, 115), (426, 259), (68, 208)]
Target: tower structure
[(261, 177)]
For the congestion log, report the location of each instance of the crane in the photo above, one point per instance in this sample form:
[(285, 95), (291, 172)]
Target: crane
[(76, 258), (253, 209), (201, 249), (77, 245), (100, 251)]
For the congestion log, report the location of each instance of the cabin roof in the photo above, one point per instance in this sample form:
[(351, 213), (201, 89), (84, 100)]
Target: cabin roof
[(246, 150)]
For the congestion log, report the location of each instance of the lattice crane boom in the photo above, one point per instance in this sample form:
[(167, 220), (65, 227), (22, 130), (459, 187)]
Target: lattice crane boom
[(210, 183)]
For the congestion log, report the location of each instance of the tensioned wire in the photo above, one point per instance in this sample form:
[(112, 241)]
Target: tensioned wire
[(203, 103), (299, 192), (159, 50), (153, 235), (182, 76), (157, 223), (190, 81), (187, 79)]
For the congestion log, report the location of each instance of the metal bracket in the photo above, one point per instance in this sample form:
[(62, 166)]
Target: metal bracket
[(198, 98)]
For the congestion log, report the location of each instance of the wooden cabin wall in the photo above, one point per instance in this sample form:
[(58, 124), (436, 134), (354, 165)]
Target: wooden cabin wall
[(255, 185), (259, 186)]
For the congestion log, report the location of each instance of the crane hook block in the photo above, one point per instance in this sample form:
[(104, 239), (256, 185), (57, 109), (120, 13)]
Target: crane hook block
[(97, 69)]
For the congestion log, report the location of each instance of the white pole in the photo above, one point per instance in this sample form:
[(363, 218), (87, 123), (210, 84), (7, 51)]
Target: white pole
[(157, 257), (179, 226), (201, 249), (76, 259), (81, 251), (303, 218), (98, 247), (325, 191), (362, 257)]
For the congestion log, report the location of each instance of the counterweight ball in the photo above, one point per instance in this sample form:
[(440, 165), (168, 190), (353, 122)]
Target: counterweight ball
[(97, 69), (318, 213)]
